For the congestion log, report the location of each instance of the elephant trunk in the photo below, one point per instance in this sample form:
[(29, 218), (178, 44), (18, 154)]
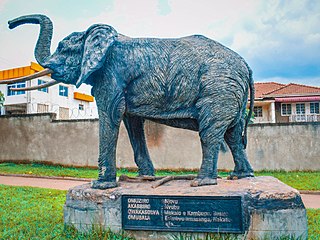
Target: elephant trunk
[(42, 50)]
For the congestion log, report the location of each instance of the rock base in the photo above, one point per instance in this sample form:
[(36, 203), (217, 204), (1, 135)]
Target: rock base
[(271, 209)]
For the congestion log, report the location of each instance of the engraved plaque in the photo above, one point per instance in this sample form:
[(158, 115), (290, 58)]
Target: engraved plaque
[(188, 213)]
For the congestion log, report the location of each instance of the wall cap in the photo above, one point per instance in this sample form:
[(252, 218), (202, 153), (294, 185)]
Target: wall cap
[(53, 117)]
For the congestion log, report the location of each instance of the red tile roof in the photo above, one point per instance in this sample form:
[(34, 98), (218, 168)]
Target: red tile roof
[(293, 89), (265, 87), (273, 89)]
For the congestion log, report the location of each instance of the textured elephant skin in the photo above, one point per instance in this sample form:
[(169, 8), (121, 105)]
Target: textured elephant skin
[(192, 82)]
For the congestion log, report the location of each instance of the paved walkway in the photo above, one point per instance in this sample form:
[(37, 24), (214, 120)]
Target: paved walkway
[(309, 200), (53, 183)]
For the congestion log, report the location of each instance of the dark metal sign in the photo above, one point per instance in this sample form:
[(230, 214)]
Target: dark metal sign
[(173, 213)]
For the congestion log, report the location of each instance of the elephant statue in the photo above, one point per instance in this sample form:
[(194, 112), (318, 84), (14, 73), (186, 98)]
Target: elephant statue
[(191, 82)]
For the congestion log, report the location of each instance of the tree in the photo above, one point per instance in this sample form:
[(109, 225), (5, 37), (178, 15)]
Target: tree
[(1, 99), (252, 116)]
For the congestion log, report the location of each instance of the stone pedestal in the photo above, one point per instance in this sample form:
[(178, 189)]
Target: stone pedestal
[(270, 209)]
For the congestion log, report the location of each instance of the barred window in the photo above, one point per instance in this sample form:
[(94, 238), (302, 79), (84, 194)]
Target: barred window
[(314, 107), (300, 108), (257, 111), (285, 109)]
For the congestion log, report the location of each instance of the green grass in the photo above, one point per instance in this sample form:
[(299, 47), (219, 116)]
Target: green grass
[(313, 223), (299, 180), (36, 213), (308, 180), (39, 169)]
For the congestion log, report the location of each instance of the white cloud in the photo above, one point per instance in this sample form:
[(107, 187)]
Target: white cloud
[(266, 33), (283, 38)]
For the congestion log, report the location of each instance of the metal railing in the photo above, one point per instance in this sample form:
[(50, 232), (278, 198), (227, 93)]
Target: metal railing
[(305, 118)]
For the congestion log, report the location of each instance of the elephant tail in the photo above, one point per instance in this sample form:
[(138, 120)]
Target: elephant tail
[(249, 115)]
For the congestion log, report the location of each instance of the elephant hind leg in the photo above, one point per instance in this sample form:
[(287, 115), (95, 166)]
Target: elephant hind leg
[(212, 128), (134, 126), (233, 137)]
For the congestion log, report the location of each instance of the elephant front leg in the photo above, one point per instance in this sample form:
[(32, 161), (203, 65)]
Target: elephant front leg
[(108, 136)]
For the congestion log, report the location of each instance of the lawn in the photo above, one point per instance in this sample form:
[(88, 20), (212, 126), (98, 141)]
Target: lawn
[(36, 213), (39, 169), (299, 180)]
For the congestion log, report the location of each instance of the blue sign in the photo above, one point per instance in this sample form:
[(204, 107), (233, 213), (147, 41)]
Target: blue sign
[(183, 214)]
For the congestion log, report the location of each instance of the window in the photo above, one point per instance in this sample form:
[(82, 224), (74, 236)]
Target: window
[(300, 108), (16, 85), (81, 107), (285, 109), (42, 89), (314, 107), (63, 91), (257, 111)]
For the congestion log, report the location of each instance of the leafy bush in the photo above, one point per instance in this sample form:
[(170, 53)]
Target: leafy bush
[(1, 99)]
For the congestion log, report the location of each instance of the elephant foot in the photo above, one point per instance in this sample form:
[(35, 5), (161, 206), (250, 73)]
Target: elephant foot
[(146, 172), (103, 185), (203, 182), (239, 175)]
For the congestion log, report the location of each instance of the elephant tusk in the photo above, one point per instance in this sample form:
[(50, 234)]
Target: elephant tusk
[(45, 85), (44, 72)]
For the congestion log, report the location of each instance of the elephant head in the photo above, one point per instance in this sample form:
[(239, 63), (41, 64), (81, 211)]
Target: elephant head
[(77, 56)]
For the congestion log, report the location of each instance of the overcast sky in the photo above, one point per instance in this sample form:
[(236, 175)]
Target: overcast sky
[(279, 39)]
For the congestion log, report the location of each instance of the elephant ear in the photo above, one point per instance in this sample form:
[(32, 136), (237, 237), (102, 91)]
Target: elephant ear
[(98, 40)]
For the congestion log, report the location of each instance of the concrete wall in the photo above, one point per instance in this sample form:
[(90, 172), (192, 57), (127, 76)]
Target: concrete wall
[(37, 137), (75, 142)]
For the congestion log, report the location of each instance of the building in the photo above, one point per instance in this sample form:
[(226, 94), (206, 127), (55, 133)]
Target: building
[(64, 100), (277, 103)]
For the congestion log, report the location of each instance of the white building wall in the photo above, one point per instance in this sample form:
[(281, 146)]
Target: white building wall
[(53, 100), (10, 100)]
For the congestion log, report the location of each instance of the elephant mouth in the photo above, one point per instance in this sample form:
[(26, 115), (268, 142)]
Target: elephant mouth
[(42, 73), (56, 76)]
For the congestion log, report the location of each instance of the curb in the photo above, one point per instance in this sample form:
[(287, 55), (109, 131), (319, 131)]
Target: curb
[(309, 192), (48, 177)]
